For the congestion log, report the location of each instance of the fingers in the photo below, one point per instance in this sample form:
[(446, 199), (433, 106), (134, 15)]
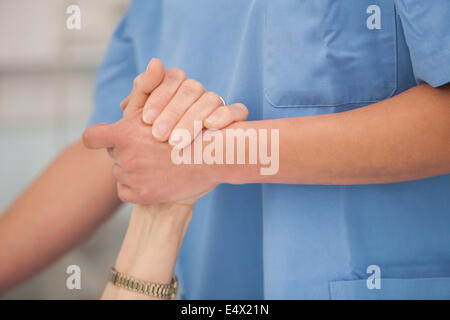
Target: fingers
[(99, 136), (226, 115), (144, 84), (201, 109), (189, 92), (124, 191), (124, 103), (161, 96), (126, 194)]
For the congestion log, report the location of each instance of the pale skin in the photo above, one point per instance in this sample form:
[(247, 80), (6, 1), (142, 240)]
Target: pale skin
[(414, 143), (155, 233), (403, 138), (142, 253), (177, 102), (150, 248), (48, 212)]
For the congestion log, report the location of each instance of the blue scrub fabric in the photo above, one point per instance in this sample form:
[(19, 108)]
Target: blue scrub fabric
[(296, 58)]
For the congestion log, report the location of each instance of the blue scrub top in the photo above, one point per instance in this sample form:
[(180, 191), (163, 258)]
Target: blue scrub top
[(287, 59)]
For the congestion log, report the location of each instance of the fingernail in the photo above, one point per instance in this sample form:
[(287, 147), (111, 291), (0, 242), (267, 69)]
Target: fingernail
[(149, 116), (212, 119), (160, 130)]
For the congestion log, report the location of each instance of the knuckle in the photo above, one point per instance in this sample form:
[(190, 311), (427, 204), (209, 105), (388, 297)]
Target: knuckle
[(123, 194), (138, 82), (224, 111), (173, 114), (192, 87), (225, 114), (175, 74), (86, 137), (124, 197), (212, 98), (241, 108), (160, 96)]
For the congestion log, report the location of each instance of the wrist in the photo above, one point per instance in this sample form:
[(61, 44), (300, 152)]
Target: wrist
[(173, 216), (234, 172), (226, 173), (153, 239), (223, 172)]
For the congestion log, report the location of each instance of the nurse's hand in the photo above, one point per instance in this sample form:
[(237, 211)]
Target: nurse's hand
[(143, 166), (177, 102)]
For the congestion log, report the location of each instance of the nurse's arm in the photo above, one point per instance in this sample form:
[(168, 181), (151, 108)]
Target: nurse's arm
[(403, 138)]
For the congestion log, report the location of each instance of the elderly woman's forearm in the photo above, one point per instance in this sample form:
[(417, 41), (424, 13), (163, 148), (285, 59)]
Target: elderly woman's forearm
[(151, 246)]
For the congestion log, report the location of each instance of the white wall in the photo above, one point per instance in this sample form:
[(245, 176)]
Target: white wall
[(47, 74)]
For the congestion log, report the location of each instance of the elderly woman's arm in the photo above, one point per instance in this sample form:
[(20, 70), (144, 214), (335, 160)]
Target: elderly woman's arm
[(150, 247)]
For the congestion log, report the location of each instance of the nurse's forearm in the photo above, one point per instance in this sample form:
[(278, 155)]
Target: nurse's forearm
[(402, 138)]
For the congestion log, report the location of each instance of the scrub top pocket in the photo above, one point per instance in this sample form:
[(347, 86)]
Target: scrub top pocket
[(322, 53)]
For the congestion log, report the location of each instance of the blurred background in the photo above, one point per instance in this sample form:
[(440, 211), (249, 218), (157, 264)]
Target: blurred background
[(47, 76)]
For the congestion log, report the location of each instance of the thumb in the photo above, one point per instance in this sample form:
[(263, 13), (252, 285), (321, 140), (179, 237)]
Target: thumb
[(99, 136)]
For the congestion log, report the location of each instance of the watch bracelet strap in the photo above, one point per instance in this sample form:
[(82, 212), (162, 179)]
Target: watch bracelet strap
[(158, 290)]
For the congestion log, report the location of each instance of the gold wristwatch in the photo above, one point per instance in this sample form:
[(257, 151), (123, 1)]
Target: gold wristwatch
[(167, 291)]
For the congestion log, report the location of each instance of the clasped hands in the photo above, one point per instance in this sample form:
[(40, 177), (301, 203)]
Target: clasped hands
[(140, 144)]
